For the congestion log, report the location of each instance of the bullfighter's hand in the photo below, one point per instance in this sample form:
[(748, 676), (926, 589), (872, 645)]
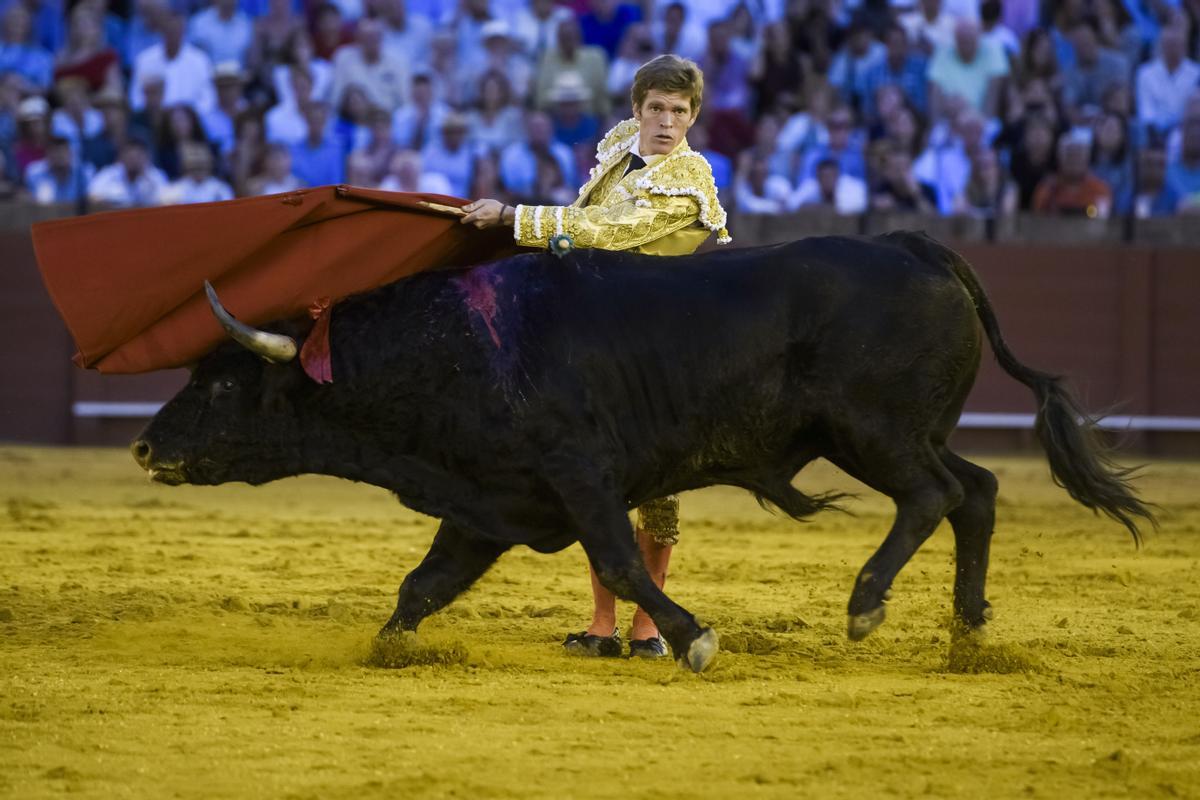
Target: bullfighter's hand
[(488, 213)]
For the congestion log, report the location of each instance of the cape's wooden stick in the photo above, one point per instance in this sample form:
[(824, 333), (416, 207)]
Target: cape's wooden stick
[(441, 209)]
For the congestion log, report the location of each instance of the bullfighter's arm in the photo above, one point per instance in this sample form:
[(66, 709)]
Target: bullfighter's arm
[(622, 226)]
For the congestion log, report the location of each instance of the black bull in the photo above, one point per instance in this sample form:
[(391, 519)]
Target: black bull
[(535, 401)]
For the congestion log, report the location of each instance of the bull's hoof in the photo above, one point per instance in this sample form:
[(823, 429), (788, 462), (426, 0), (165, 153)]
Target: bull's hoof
[(702, 651), (861, 625)]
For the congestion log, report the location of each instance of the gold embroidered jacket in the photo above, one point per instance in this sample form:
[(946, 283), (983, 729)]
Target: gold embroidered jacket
[(668, 207)]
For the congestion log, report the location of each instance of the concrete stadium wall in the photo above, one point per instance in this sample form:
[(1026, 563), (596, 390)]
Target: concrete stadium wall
[(1121, 320)]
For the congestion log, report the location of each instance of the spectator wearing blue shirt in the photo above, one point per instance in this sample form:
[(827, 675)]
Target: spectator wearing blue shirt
[(722, 167), (59, 178), (573, 126), (416, 123), (1154, 196), (222, 30), (901, 67), (229, 82), (141, 32), (519, 161), (450, 155), (854, 63), (604, 26), (844, 148), (102, 149), (75, 120), (19, 54), (1184, 175), (318, 160)]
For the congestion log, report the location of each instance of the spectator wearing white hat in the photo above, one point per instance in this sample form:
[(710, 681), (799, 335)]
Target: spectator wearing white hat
[(381, 73), (32, 135), (573, 125), (197, 184), (130, 181), (185, 69), (60, 178), (223, 31), (228, 82)]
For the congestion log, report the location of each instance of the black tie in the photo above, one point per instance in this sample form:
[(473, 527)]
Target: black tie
[(635, 162)]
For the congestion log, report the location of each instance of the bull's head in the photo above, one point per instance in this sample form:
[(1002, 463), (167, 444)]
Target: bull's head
[(236, 420)]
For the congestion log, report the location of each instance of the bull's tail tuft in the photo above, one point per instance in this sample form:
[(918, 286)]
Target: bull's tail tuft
[(1079, 461)]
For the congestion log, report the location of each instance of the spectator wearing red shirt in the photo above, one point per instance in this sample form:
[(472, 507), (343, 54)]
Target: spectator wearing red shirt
[(1073, 190)]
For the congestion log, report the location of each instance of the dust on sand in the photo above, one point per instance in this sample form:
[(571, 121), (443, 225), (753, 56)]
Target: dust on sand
[(189, 642)]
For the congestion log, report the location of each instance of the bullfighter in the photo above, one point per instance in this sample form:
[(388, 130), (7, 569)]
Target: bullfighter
[(648, 193)]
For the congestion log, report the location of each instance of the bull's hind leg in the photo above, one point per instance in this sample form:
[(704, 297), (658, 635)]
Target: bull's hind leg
[(973, 522), (608, 540), (455, 560), (924, 491)]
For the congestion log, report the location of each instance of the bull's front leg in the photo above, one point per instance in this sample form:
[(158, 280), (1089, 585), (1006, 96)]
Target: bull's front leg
[(608, 540), (455, 560)]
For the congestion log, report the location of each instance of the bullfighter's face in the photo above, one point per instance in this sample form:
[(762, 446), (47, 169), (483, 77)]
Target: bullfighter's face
[(234, 421), (664, 118)]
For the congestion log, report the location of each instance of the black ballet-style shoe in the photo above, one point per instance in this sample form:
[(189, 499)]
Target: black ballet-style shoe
[(593, 646), (654, 647)]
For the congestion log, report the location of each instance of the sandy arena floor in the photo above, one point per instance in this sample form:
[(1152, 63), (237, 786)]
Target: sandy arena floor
[(185, 642)]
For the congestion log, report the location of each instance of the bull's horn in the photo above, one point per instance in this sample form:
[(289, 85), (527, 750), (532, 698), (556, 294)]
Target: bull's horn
[(274, 347)]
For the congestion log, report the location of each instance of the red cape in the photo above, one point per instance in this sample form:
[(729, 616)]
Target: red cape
[(130, 284)]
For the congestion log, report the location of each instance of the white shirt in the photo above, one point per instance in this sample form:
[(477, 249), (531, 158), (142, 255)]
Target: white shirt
[(187, 190), (1162, 95), (322, 80), (385, 81), (849, 195), (284, 124), (223, 40), (112, 185), (537, 35), (289, 184), (188, 78), (691, 42), (940, 32), (427, 183), (773, 200), (64, 125)]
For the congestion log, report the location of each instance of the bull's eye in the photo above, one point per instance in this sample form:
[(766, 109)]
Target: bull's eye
[(227, 385)]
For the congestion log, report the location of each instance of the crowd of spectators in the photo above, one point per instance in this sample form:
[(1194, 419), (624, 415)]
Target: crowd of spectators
[(973, 107)]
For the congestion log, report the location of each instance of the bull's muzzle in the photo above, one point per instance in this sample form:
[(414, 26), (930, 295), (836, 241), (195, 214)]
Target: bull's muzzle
[(159, 471), (273, 347)]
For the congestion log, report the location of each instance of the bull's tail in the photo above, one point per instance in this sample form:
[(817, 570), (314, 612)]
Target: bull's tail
[(1079, 461)]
